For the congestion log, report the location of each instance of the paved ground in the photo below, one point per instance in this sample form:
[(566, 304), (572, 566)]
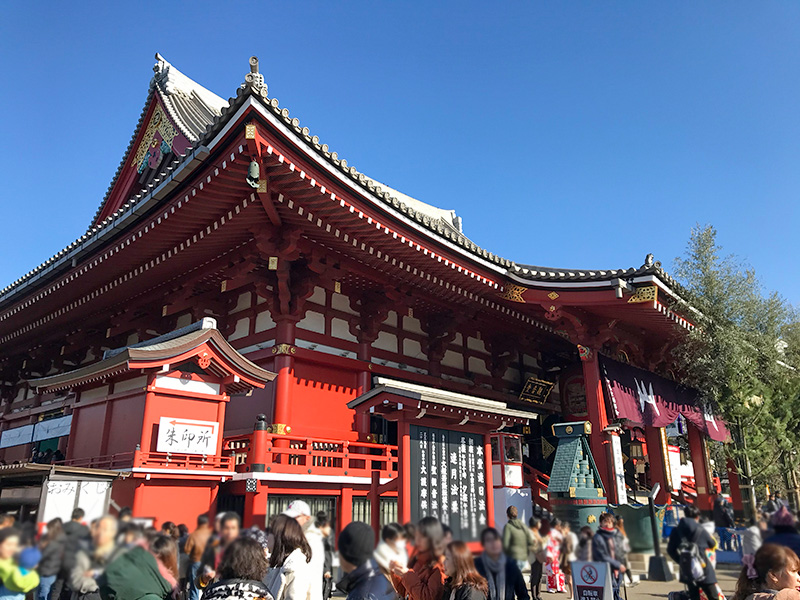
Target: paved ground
[(655, 590)]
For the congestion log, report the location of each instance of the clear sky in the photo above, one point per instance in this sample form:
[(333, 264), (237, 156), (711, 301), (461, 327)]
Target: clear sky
[(566, 134)]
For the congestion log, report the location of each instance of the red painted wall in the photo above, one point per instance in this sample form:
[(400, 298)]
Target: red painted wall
[(176, 500), (319, 401), (87, 430), (125, 424)]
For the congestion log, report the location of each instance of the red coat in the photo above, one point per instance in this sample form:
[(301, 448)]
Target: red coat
[(424, 580)]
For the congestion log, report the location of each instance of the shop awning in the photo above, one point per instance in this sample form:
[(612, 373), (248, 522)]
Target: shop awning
[(647, 399)]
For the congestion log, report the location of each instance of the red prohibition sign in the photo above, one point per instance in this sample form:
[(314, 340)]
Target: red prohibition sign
[(589, 574)]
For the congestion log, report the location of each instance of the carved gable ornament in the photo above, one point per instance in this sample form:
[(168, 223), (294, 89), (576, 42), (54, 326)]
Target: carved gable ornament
[(160, 138)]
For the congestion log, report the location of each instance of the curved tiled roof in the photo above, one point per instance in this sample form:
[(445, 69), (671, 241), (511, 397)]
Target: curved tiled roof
[(201, 114), (547, 274)]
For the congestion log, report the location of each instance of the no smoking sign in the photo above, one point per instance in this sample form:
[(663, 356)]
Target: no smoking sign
[(589, 574)]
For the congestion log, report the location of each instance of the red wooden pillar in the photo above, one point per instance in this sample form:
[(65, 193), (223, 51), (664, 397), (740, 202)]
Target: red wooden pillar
[(221, 421), (736, 490), (404, 471), (255, 507), (364, 384), (150, 410), (375, 504), (697, 450), (596, 407), (284, 367), (657, 460), (345, 509), (487, 457)]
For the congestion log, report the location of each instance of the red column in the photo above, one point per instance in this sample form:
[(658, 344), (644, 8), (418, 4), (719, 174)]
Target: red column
[(255, 507), (404, 468), (345, 509), (221, 421), (148, 420), (697, 450), (284, 367), (487, 457), (258, 457), (375, 505), (364, 384), (658, 465), (736, 490), (596, 407)]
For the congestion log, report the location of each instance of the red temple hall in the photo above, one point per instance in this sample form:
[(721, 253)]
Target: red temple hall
[(249, 319)]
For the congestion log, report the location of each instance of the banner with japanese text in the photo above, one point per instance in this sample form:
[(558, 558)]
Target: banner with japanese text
[(448, 479)]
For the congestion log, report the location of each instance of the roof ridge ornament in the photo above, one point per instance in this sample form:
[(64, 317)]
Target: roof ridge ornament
[(254, 81)]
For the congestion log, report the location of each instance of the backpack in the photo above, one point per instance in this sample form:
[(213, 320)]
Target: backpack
[(691, 562)]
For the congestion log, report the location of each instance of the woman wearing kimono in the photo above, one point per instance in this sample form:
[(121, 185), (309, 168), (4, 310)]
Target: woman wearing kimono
[(553, 541)]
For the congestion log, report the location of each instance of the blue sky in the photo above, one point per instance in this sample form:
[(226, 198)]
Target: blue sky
[(566, 134)]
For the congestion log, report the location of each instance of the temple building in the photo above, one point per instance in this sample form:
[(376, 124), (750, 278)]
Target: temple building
[(250, 319)]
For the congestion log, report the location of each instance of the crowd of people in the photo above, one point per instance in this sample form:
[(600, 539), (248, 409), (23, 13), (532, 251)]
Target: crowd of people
[(116, 558), (769, 546)]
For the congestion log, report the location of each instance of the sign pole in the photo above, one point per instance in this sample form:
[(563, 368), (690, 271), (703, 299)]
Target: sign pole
[(658, 569)]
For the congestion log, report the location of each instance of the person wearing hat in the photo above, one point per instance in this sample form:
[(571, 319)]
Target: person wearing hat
[(363, 579), (785, 528), (301, 512)]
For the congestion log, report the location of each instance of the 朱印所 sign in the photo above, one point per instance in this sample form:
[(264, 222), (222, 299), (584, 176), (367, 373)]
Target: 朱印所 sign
[(187, 436)]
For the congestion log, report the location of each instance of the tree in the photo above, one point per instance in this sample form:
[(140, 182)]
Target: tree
[(741, 354)]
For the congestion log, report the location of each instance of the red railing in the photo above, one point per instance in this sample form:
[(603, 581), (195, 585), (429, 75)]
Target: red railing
[(314, 456), (538, 482), (154, 460)]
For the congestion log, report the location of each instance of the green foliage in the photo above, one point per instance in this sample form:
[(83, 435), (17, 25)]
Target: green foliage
[(743, 354)]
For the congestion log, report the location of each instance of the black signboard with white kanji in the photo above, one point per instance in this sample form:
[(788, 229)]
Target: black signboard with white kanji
[(448, 479)]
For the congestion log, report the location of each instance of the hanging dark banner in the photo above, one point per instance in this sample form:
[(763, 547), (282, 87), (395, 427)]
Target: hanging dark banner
[(645, 398), (449, 479)]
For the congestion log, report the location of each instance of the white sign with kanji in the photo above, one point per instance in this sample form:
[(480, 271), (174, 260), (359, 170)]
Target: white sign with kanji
[(187, 436)]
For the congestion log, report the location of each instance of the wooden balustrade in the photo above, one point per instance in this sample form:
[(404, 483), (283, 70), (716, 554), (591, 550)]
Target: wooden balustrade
[(314, 456), (154, 460)]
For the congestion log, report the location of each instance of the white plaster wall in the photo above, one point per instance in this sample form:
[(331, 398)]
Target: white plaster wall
[(386, 341), (313, 321), (413, 348), (264, 321), (453, 359), (476, 344), (318, 297), (341, 329), (241, 330), (477, 365), (412, 325), (242, 302), (341, 303)]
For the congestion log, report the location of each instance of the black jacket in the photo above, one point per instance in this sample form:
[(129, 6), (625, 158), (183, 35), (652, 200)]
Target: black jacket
[(722, 516), (692, 531), (77, 538), (52, 557), (604, 548), (76, 531), (327, 566), (462, 592), (365, 583), (515, 582)]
